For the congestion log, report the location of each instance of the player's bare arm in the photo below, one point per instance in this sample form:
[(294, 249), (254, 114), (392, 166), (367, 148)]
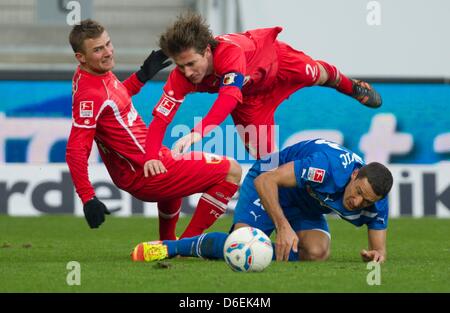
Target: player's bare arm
[(377, 246), (267, 185)]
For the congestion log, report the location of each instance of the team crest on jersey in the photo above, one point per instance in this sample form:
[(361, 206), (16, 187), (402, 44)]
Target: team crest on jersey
[(316, 174), (232, 79), (86, 108), (229, 78), (166, 106)]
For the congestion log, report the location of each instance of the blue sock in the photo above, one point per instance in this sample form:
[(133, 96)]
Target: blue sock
[(293, 256), (208, 246)]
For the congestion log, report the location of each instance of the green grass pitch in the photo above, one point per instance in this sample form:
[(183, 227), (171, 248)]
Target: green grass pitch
[(34, 253)]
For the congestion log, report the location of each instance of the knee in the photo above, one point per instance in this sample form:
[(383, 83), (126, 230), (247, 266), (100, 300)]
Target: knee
[(329, 75), (234, 173), (315, 253), (323, 75)]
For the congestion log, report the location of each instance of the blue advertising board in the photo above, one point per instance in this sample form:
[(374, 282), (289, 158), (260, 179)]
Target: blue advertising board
[(413, 119)]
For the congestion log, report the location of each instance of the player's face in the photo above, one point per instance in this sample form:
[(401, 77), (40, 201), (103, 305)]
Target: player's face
[(195, 66), (98, 55), (359, 194)]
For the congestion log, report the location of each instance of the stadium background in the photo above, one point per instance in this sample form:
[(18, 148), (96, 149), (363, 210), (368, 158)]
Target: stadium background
[(405, 56)]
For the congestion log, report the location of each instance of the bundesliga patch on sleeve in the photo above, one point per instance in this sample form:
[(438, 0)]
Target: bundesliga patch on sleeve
[(316, 174), (232, 79), (166, 106), (86, 108)]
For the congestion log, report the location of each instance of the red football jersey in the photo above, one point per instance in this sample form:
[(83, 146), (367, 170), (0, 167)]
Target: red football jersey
[(252, 54), (102, 110)]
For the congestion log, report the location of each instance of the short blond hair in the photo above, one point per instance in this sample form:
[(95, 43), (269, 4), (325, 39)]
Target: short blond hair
[(87, 29)]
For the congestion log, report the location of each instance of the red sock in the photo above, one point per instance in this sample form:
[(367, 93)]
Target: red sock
[(344, 84), (210, 207), (168, 212)]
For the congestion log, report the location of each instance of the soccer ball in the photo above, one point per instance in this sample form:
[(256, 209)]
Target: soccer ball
[(248, 249)]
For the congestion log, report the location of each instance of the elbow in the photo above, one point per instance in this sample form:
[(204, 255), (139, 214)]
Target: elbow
[(260, 181)]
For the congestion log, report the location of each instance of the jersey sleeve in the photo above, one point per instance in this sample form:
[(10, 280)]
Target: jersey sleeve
[(230, 65), (380, 222), (221, 108), (133, 84), (86, 108), (78, 150), (174, 92), (312, 170), (154, 138)]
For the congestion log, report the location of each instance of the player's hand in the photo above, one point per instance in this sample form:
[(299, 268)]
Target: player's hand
[(154, 167), (94, 212), (183, 144), (372, 255), (155, 62), (287, 239)]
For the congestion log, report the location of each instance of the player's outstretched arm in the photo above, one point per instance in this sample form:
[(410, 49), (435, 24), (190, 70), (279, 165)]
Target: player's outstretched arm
[(154, 63), (77, 152), (183, 144), (221, 108), (267, 185), (377, 246)]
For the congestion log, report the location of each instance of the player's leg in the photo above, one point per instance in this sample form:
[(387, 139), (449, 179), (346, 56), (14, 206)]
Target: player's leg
[(215, 176), (314, 237), (213, 202), (168, 213), (314, 245), (299, 70), (248, 211), (362, 91), (207, 246)]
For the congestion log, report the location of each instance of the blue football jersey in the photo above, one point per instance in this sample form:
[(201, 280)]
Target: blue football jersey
[(322, 170)]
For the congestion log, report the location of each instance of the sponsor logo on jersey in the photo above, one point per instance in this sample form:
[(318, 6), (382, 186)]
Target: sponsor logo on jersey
[(86, 108), (316, 174), (166, 106)]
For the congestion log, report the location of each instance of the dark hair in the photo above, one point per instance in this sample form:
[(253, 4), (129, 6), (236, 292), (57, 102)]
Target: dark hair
[(190, 30), (87, 29), (378, 176)]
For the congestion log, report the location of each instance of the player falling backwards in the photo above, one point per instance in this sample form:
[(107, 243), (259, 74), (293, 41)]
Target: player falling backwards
[(314, 178), (103, 112), (252, 72)]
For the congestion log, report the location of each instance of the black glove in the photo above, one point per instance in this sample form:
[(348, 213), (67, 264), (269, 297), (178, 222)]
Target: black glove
[(152, 65), (94, 211)]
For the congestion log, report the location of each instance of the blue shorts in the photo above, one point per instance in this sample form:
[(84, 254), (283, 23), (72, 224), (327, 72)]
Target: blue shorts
[(250, 211)]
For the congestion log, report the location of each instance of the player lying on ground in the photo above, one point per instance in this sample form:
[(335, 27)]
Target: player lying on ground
[(252, 72), (314, 178), (103, 111)]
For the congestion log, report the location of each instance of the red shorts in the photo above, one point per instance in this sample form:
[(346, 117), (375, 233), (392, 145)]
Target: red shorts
[(295, 71), (195, 172)]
